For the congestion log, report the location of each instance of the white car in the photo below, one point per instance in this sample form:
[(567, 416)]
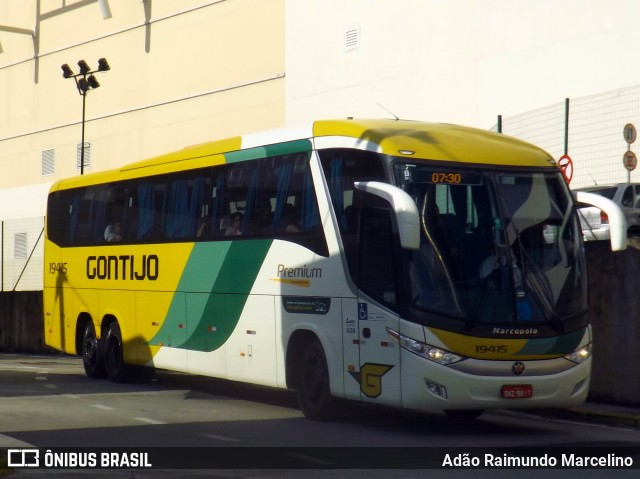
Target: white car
[(595, 223)]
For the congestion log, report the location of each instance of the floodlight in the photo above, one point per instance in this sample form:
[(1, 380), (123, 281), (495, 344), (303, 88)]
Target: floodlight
[(84, 68), (66, 71), (93, 82), (103, 65)]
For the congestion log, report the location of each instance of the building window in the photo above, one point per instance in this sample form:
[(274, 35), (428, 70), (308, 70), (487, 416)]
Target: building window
[(87, 155), (48, 162), (20, 246), (351, 38)]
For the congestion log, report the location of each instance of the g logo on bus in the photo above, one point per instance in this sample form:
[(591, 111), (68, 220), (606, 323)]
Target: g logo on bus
[(370, 378), (517, 368)]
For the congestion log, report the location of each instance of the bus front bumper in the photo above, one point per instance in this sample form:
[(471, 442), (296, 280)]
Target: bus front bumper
[(436, 387)]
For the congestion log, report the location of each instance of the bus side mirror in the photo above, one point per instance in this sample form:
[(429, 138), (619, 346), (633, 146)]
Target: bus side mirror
[(617, 220), (403, 206)]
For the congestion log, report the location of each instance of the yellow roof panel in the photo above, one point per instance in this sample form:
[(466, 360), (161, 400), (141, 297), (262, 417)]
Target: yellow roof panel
[(438, 141), (435, 141)]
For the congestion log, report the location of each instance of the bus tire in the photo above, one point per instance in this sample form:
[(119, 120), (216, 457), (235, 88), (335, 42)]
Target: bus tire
[(92, 358), (312, 384), (113, 354)]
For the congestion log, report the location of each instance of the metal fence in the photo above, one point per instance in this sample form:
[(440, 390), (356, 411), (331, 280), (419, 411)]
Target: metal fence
[(595, 140), (22, 258)]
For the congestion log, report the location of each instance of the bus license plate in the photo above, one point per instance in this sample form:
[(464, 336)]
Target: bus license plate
[(518, 391)]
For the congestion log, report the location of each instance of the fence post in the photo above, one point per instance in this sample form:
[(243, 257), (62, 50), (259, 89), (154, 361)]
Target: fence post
[(566, 126), (1, 256)]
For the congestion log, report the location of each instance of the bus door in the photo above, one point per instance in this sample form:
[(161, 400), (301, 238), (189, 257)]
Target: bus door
[(379, 373)]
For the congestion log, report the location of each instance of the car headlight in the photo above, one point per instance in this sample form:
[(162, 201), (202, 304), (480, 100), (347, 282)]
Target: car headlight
[(580, 355), (437, 355)]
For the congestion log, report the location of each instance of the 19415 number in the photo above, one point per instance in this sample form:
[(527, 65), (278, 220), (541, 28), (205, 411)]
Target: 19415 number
[(57, 268), (495, 349)]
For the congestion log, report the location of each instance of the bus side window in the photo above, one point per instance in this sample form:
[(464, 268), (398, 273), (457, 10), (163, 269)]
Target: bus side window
[(114, 210), (62, 206), (218, 210), (252, 208), (377, 277), (287, 215), (295, 216), (199, 205), (176, 225), (342, 167), (82, 218), (235, 198), (186, 206), (145, 214)]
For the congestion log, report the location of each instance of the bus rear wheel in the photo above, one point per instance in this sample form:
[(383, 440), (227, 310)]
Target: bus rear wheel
[(113, 354), (91, 353), (312, 384)]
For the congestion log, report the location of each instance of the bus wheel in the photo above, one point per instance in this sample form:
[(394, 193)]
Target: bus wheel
[(113, 359), (312, 384), (464, 414), (91, 354)]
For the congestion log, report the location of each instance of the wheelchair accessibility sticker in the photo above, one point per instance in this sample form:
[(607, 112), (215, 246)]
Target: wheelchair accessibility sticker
[(364, 315)]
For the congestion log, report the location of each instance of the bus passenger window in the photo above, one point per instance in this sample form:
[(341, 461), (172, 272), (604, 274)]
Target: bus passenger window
[(149, 201), (107, 211), (235, 225), (376, 265), (290, 222)]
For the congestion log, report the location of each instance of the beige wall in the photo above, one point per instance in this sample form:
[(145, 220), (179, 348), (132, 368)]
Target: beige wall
[(181, 73), (414, 58), (458, 61)]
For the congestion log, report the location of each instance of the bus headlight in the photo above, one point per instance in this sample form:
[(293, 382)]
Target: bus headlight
[(580, 355), (437, 355)]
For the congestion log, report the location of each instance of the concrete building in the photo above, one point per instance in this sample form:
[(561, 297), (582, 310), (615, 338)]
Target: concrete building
[(189, 71), (181, 73)]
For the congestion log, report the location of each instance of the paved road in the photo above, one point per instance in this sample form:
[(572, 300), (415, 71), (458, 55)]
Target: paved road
[(48, 402)]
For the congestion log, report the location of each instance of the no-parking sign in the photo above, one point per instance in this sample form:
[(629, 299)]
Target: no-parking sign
[(630, 161), (566, 166)]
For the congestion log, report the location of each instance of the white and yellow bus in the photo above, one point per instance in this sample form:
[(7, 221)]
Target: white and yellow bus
[(424, 266)]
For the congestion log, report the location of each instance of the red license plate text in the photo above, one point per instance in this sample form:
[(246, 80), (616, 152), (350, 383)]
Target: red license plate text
[(518, 391)]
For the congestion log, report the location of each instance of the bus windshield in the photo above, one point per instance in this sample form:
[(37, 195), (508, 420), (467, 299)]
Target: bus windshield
[(496, 248)]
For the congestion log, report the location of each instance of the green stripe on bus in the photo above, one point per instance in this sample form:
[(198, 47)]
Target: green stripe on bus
[(295, 146), (217, 280), (557, 345)]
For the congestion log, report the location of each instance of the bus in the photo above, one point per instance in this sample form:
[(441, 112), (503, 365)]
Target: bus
[(423, 266)]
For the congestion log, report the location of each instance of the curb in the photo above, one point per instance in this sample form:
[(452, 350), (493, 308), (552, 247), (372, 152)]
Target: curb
[(598, 413)]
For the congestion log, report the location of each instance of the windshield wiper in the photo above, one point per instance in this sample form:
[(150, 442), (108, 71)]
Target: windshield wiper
[(535, 282), (529, 277)]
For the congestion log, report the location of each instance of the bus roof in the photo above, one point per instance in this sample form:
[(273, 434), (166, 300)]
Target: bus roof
[(410, 139), (438, 141)]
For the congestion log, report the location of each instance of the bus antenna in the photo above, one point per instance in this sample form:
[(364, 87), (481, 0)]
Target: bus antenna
[(388, 111)]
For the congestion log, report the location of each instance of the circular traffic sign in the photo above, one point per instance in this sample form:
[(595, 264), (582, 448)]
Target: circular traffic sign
[(630, 161), (629, 133), (566, 166)]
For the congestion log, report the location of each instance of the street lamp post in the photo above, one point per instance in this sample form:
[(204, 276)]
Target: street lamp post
[(85, 81)]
